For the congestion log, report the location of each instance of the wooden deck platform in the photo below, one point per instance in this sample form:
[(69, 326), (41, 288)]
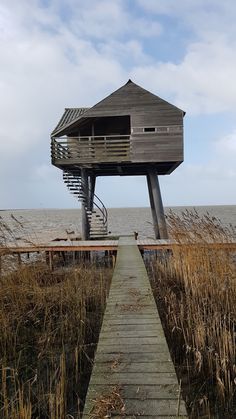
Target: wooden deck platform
[(133, 371)]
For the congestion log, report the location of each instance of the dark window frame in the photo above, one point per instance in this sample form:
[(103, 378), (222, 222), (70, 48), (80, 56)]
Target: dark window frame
[(149, 129)]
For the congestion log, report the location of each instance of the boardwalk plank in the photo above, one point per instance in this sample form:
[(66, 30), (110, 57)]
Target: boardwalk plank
[(141, 339), (141, 392), (150, 367), (131, 333), (132, 357), (116, 349), (116, 328), (121, 378)]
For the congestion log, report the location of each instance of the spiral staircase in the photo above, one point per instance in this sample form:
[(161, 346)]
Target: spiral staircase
[(95, 209)]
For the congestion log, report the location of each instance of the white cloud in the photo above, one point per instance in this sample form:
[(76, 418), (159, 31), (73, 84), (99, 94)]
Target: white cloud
[(74, 53), (227, 146), (205, 17), (105, 19), (39, 78), (203, 80), (211, 183), (201, 83)]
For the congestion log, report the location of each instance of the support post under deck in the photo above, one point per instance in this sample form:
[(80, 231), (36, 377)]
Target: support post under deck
[(157, 200), (153, 211), (84, 205), (92, 190)]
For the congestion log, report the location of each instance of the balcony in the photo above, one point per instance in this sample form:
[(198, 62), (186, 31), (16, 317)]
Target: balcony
[(90, 149)]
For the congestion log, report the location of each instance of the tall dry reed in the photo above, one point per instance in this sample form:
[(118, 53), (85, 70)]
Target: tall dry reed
[(49, 327), (195, 289)]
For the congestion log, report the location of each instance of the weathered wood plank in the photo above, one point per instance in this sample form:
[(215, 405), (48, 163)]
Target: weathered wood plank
[(139, 340), (132, 357), (142, 392), (147, 332), (154, 407), (135, 367), (121, 378)]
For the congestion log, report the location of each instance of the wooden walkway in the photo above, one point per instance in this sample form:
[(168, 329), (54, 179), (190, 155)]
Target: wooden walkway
[(133, 375)]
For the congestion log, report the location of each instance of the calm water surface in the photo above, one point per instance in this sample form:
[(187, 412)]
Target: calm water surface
[(41, 225)]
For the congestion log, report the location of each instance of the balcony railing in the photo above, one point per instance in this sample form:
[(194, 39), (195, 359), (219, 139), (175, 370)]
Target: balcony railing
[(91, 149)]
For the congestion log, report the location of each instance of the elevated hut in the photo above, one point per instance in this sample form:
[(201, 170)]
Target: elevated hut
[(130, 132)]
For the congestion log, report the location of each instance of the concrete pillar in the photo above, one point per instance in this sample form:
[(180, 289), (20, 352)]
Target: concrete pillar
[(84, 206), (153, 211), (156, 193)]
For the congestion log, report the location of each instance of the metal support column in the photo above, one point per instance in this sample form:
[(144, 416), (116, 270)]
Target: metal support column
[(153, 211), (91, 191), (156, 193), (84, 205)]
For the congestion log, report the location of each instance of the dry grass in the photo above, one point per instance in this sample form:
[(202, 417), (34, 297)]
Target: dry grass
[(195, 287), (49, 327), (108, 404)]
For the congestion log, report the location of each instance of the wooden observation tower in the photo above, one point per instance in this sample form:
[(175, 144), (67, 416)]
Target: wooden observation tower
[(130, 132)]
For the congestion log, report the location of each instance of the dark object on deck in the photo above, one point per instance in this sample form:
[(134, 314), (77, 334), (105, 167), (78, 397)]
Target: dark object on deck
[(130, 132)]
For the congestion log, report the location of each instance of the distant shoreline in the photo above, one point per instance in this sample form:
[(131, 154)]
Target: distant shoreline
[(120, 208)]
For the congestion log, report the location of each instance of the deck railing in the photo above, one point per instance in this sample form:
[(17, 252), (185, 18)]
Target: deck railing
[(91, 149)]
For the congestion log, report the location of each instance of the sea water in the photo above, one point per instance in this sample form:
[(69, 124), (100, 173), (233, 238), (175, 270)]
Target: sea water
[(43, 225)]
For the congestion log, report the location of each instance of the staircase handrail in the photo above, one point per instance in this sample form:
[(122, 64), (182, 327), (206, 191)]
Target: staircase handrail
[(101, 209)]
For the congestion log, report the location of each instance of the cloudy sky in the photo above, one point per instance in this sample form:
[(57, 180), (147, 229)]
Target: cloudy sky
[(64, 53)]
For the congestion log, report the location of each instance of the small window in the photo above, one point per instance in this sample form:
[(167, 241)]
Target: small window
[(149, 129)]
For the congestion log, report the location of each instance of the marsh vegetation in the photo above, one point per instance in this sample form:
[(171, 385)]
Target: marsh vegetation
[(49, 326), (195, 290), (50, 322)]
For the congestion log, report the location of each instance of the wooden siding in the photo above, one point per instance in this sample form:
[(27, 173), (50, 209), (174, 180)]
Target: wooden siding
[(156, 147), (158, 117)]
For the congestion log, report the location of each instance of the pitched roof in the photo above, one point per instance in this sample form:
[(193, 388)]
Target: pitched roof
[(126, 97), (69, 116)]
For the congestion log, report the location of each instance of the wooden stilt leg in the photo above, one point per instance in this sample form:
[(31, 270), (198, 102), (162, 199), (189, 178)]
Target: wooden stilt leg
[(84, 205), (113, 260), (156, 193), (153, 211), (92, 190), (19, 259), (51, 261)]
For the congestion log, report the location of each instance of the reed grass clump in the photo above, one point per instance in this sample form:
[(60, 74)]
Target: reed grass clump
[(195, 289), (49, 327)]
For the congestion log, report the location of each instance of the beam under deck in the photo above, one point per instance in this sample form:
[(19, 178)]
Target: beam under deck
[(133, 371)]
